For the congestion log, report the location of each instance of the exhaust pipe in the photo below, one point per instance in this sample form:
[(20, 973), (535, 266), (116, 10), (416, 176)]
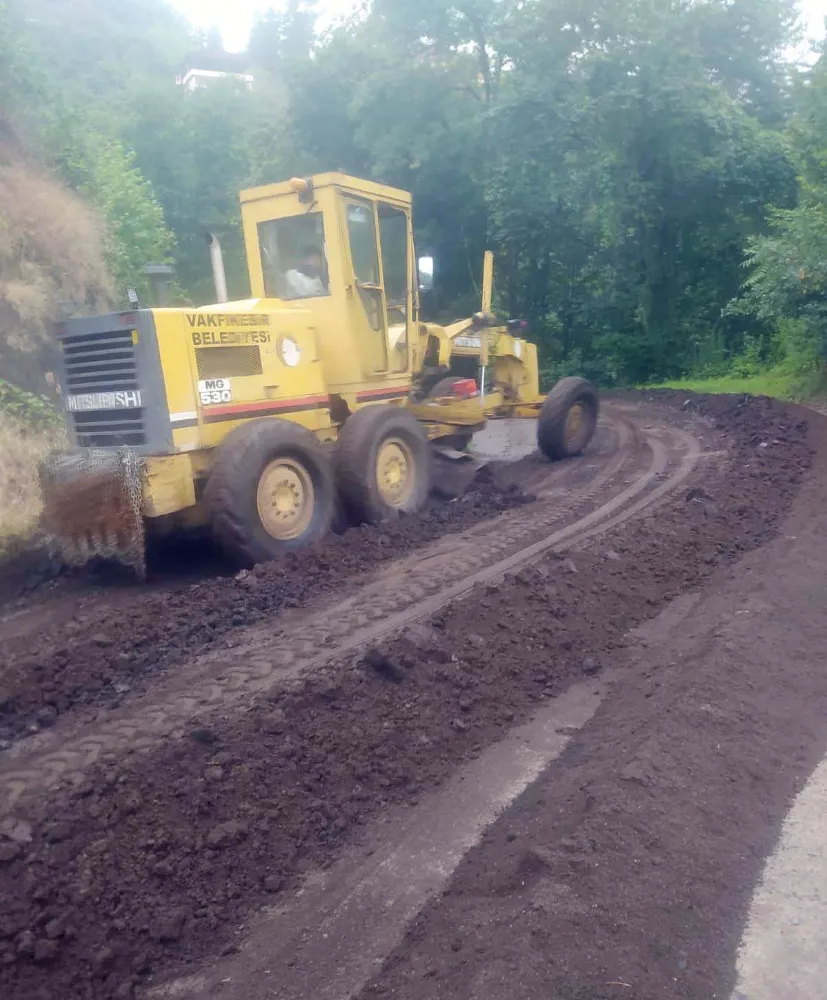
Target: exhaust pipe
[(218, 275)]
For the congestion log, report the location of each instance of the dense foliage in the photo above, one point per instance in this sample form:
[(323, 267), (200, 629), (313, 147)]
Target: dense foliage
[(29, 408), (625, 158)]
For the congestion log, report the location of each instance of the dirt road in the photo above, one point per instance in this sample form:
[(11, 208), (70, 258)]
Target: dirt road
[(289, 783)]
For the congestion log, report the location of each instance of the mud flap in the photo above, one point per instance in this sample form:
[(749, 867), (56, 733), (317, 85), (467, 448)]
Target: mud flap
[(453, 472), (92, 507)]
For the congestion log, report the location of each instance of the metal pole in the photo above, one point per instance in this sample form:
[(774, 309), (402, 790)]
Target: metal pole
[(487, 281), (217, 261)]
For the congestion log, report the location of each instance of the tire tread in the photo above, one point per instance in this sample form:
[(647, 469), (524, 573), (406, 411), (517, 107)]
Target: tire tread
[(552, 421), (355, 458), (245, 447)]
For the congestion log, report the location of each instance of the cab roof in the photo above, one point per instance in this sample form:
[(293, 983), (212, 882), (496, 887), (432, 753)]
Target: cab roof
[(344, 182)]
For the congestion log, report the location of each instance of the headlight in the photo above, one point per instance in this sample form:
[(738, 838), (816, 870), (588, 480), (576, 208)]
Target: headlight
[(290, 353)]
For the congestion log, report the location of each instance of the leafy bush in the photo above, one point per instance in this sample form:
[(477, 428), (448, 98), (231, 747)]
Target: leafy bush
[(600, 370), (800, 342), (105, 172), (29, 409), (751, 360)]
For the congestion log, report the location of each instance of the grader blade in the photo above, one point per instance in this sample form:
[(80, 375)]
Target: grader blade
[(92, 508), (454, 472)]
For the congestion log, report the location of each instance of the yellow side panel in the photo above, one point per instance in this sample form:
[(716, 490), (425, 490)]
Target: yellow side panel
[(168, 485), (224, 366), (314, 420), (179, 377), (295, 392)]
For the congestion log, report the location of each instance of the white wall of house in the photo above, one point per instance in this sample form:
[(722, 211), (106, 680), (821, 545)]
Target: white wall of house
[(195, 79)]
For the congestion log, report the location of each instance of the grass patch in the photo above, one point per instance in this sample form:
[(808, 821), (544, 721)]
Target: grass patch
[(776, 382), (21, 449)]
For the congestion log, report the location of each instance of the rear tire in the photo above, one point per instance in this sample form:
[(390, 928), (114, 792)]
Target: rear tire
[(568, 418), (383, 464), (270, 491)]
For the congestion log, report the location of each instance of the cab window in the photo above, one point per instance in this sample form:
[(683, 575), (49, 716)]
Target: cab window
[(363, 243), (393, 235), (293, 257), (393, 239), (361, 230)]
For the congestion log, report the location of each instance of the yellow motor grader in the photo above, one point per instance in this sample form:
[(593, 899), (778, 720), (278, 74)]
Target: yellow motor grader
[(325, 389)]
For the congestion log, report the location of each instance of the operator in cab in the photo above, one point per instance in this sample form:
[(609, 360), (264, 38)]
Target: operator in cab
[(306, 279)]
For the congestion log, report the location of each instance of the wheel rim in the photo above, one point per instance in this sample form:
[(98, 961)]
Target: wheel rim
[(285, 499), (395, 472), (576, 425)]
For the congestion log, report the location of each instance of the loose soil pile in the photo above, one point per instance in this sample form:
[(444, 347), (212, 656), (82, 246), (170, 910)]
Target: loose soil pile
[(157, 858), (628, 869), (105, 651)]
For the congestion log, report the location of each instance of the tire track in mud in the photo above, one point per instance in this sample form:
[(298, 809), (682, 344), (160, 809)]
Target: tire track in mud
[(412, 589)]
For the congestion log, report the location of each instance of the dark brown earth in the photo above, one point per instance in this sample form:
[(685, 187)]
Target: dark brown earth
[(111, 641), (627, 871), (155, 861)]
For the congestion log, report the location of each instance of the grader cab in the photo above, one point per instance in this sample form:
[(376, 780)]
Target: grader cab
[(325, 389)]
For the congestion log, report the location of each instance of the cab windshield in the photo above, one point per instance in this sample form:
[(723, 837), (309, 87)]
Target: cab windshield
[(293, 257)]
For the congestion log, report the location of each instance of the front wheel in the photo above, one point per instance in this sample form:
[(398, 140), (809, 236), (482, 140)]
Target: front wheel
[(383, 464), (270, 491), (568, 418)]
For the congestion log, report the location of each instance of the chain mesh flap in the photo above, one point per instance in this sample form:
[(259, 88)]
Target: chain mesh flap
[(92, 506)]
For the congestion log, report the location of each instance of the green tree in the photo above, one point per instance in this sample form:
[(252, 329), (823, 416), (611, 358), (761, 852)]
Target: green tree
[(655, 176), (197, 151), (103, 170), (619, 155), (787, 284), (281, 38), (93, 51)]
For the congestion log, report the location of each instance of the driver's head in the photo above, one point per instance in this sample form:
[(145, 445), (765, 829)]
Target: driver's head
[(311, 263)]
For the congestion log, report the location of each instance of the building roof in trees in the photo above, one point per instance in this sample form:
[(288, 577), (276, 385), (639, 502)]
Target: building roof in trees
[(217, 61)]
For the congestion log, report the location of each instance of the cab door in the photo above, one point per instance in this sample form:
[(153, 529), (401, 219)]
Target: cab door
[(397, 261), (379, 239), (371, 316)]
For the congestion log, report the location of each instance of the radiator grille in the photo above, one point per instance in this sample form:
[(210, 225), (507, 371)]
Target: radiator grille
[(103, 363), (100, 362), (113, 428), (228, 362)]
